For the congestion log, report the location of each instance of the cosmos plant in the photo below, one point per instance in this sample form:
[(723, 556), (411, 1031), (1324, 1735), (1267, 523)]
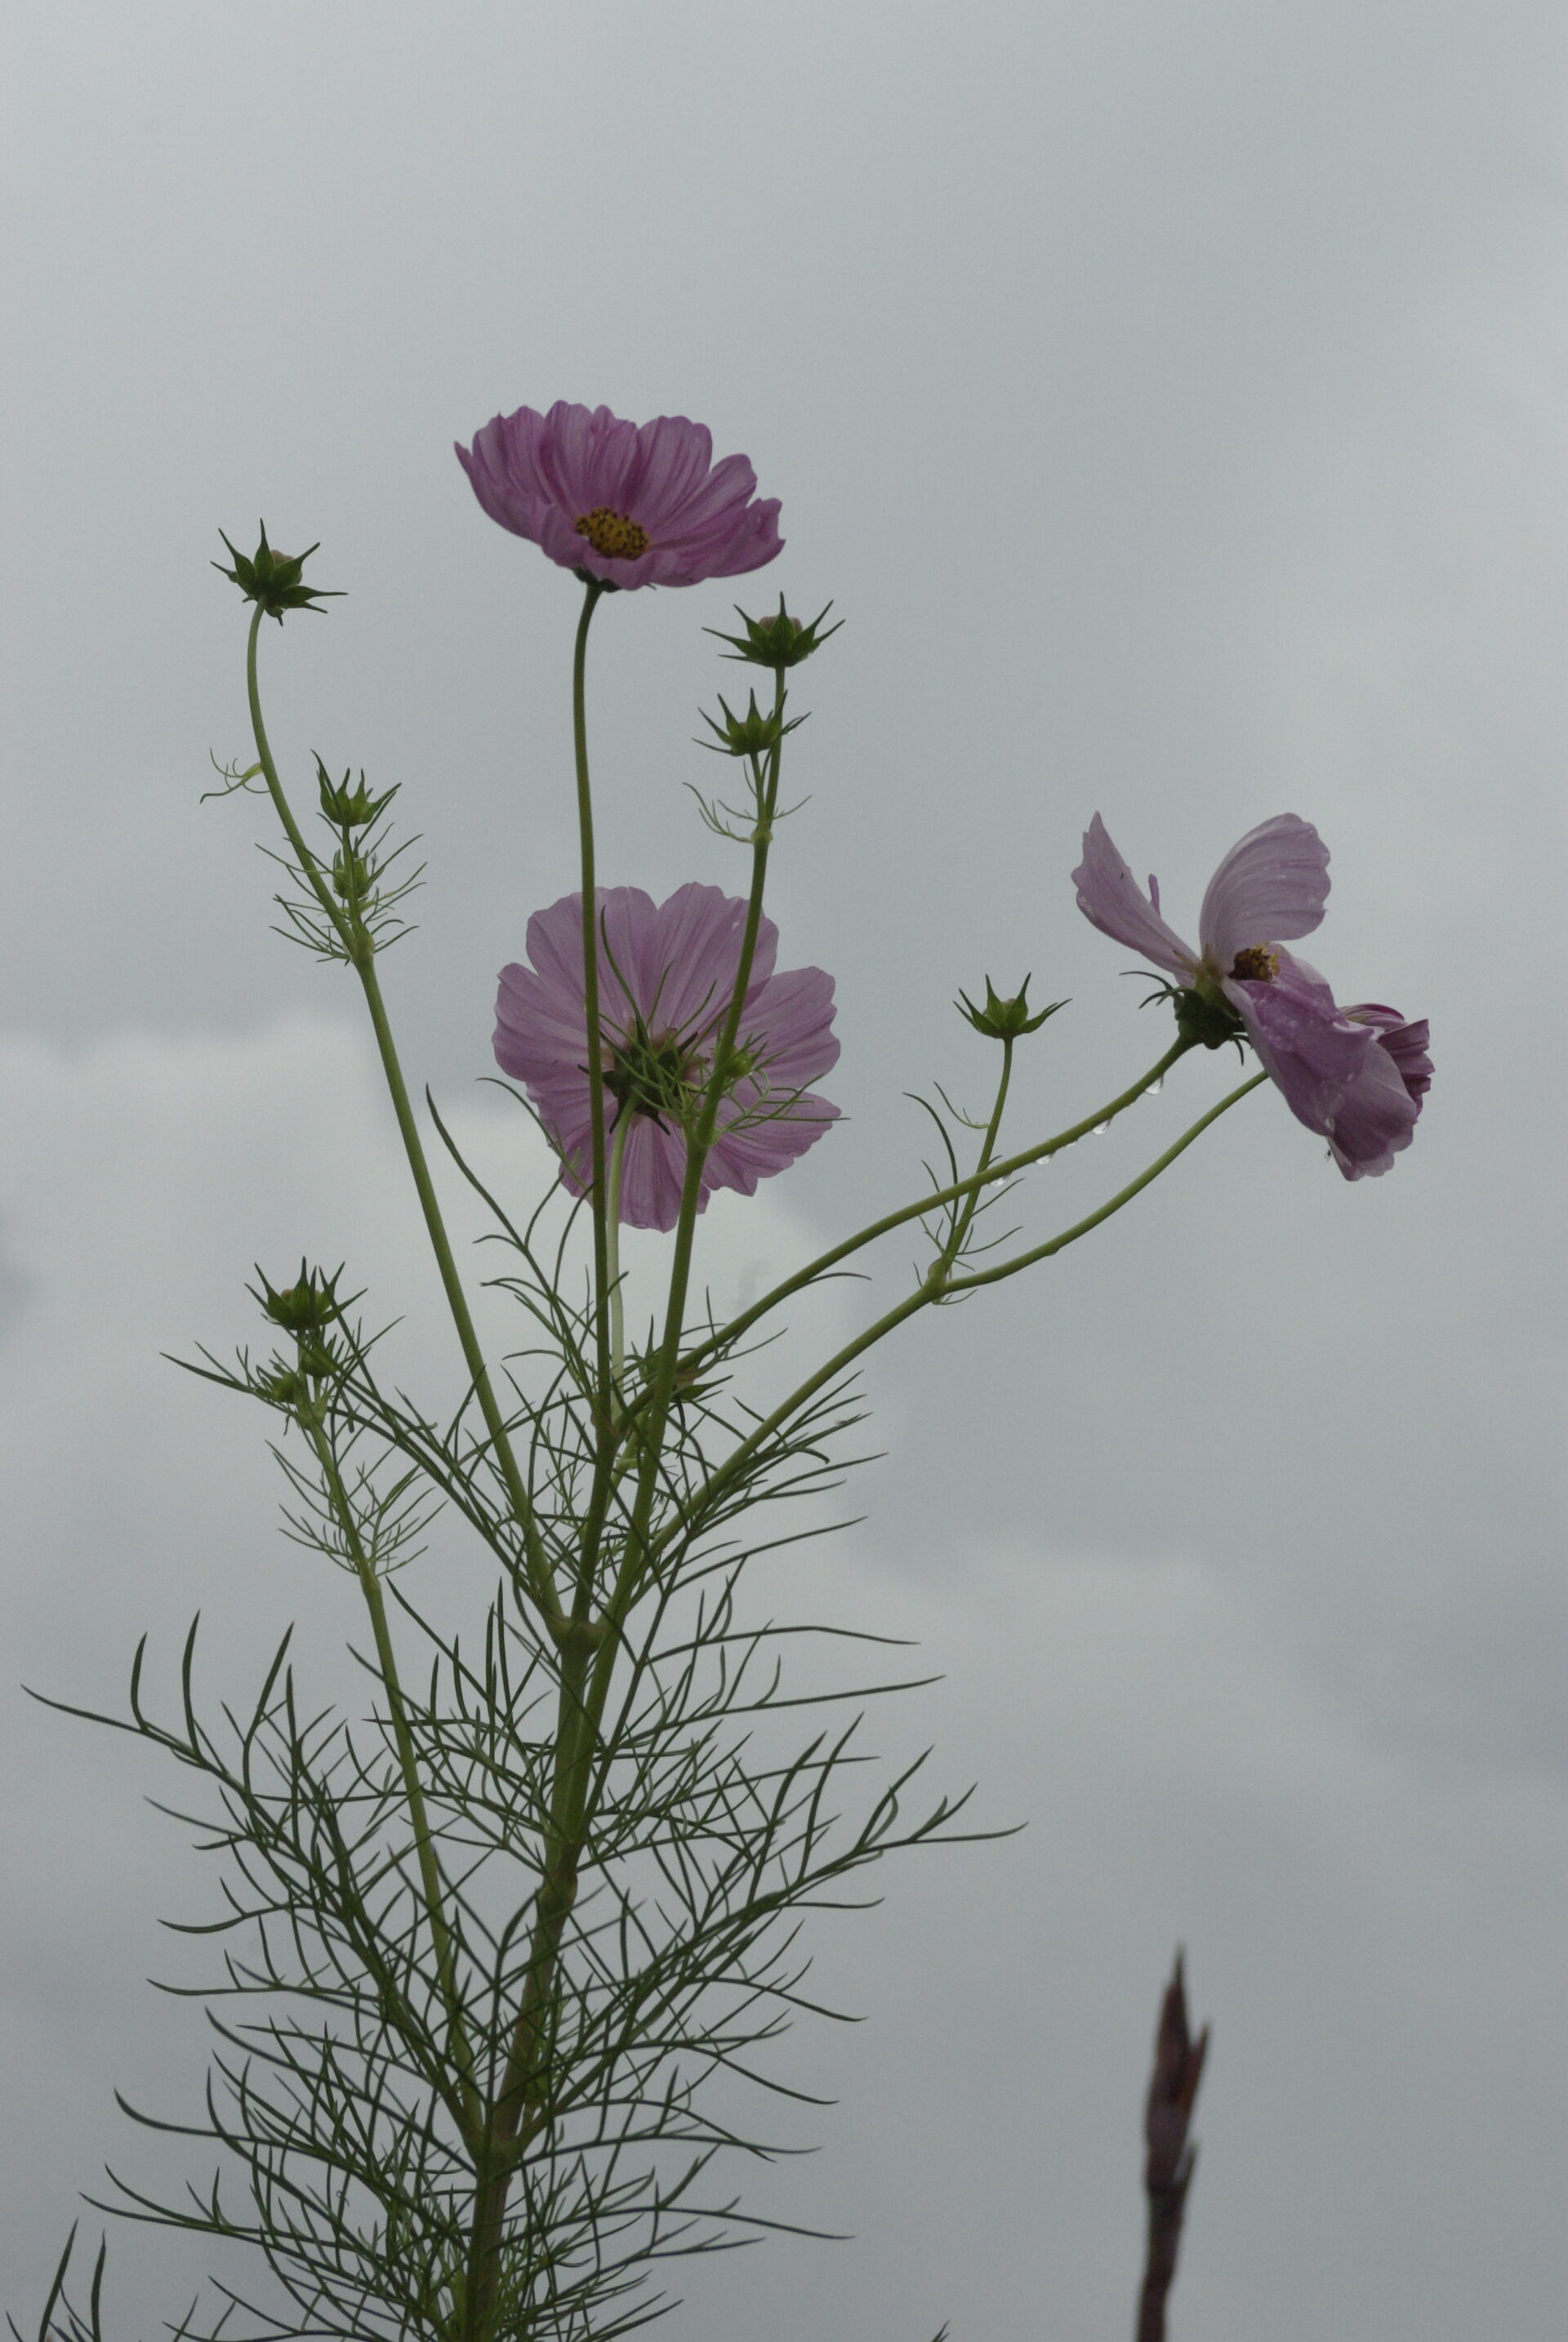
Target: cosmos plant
[(505, 1964)]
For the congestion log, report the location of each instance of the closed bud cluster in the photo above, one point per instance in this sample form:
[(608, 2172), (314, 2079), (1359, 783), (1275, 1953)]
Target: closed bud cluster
[(751, 735), (1004, 1020), (779, 640), (273, 579)]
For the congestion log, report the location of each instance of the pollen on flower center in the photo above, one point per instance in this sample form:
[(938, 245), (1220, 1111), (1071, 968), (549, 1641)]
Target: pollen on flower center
[(1256, 965), (615, 534)]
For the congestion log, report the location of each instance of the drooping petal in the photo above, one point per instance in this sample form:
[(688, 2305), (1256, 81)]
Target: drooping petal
[(1376, 1119), (1111, 899), (1270, 888), (1309, 1051), (1407, 1044), (1335, 1068)]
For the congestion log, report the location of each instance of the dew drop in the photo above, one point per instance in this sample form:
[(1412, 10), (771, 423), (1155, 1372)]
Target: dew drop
[(1156, 1087), (1101, 1128)]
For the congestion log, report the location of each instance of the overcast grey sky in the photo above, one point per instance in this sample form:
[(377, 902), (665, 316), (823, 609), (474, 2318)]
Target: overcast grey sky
[(1171, 394)]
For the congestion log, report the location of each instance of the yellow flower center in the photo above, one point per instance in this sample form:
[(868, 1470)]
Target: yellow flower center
[(615, 534), (1256, 965)]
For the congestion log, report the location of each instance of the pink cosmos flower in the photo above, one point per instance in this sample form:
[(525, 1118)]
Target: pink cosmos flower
[(665, 973), (1355, 1076), (630, 503)]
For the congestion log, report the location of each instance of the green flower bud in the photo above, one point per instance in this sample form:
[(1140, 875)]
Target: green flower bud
[(352, 876), (272, 579), (777, 642), (1004, 1020), (302, 1308), (349, 808), (751, 735)]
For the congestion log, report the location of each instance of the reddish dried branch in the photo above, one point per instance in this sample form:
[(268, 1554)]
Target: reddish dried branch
[(1169, 2163)]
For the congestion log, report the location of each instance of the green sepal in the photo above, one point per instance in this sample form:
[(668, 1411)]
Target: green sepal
[(304, 1308), (779, 640), (349, 808), (754, 734), (1202, 1023), (1004, 1020), (273, 579)]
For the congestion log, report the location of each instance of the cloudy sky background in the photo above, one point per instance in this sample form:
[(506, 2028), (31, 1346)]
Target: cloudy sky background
[(1172, 398)]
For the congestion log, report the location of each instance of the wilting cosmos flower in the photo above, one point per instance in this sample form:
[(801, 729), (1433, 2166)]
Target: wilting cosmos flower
[(1357, 1076), (666, 971), (630, 503)]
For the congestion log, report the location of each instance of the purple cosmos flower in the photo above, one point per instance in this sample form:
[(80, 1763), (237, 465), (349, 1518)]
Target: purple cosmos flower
[(630, 503), (1357, 1076), (665, 973)]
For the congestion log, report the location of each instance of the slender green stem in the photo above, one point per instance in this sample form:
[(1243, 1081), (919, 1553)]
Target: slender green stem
[(924, 1204), (1004, 1268), (412, 1789), (699, 1141), (591, 593), (359, 948), (932, 1289), (612, 1263), (963, 1213)]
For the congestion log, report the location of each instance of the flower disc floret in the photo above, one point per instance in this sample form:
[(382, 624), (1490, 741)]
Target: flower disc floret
[(1357, 1076), (628, 503), (666, 972)]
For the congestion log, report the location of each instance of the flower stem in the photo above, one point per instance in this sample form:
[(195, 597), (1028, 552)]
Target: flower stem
[(414, 1792), (925, 1204), (359, 948), (1124, 1195), (963, 1213), (593, 589), (925, 1292), (612, 1264)]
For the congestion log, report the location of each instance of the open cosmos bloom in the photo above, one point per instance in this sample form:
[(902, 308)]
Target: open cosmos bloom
[(666, 971), (631, 504), (1357, 1076)]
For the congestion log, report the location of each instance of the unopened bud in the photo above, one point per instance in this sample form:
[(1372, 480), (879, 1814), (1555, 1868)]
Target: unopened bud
[(302, 1308), (273, 579), (348, 808), (751, 735), (1004, 1020), (352, 876), (779, 640)]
